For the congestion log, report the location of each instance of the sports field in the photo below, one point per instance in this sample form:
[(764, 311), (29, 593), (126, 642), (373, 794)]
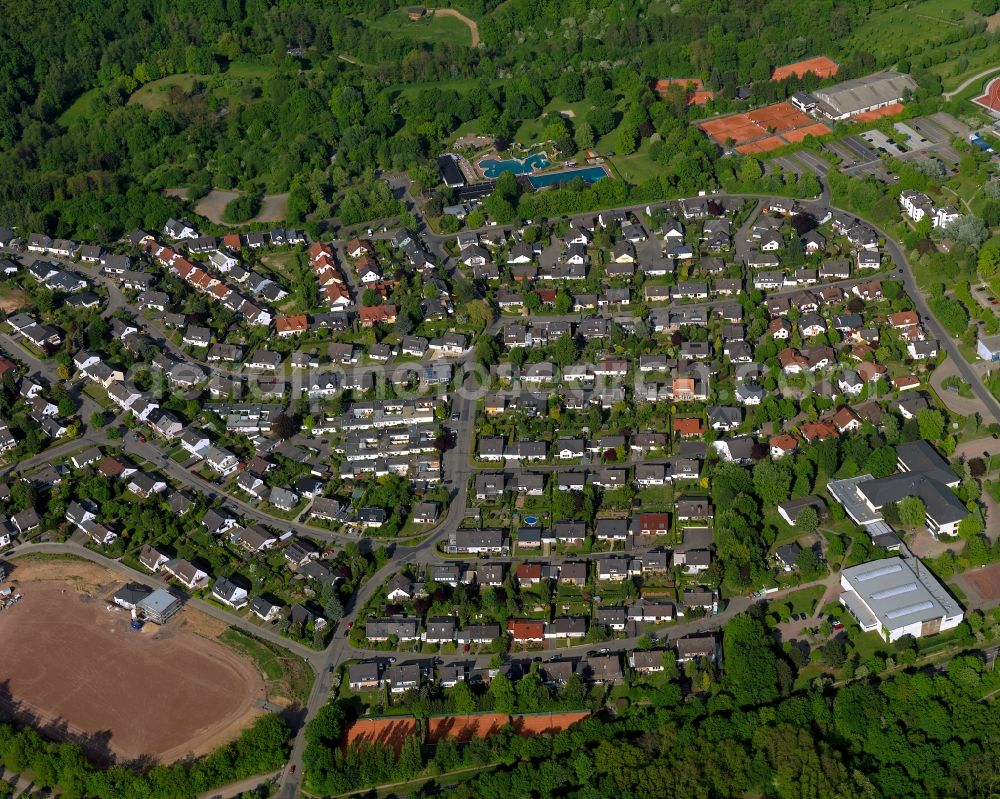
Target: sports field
[(820, 66), (392, 731), (990, 99), (75, 669), (763, 129), (985, 583), (879, 113)]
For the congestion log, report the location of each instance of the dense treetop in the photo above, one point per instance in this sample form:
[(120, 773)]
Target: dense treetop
[(308, 97)]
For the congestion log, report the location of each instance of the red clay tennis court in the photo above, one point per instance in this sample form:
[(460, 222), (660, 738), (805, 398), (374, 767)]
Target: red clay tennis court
[(764, 129), (820, 66), (739, 127), (393, 731), (779, 117), (761, 145), (547, 723), (816, 129), (879, 113), (388, 732), (697, 94), (990, 99)]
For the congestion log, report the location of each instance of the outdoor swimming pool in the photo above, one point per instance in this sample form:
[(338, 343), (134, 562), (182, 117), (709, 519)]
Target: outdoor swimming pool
[(590, 174), (493, 168)]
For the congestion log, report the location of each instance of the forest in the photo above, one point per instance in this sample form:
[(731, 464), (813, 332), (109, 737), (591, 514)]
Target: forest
[(925, 733), (261, 748), (105, 104)]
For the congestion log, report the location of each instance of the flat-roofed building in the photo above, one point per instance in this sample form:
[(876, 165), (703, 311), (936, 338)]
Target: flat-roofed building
[(898, 596)]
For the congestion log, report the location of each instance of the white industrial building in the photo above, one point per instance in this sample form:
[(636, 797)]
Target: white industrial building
[(897, 597), (853, 97)]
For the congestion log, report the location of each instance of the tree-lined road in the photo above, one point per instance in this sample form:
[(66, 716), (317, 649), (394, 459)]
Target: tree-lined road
[(458, 471)]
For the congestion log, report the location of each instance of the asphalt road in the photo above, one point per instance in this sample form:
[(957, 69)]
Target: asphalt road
[(457, 472)]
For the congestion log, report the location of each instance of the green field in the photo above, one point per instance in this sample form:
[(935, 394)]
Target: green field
[(410, 90), (155, 93), (432, 28), (803, 601), (907, 28), (81, 108), (287, 675), (531, 129)]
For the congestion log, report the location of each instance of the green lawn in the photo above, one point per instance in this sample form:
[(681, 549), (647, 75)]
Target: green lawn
[(154, 94), (288, 675), (804, 601), (978, 61), (432, 28), (637, 167)]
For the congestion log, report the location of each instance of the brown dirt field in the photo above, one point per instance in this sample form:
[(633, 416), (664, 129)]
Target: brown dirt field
[(817, 129), (779, 117), (214, 203), (871, 116), (985, 582), (273, 206), (165, 692), (179, 191), (993, 22), (761, 146), (820, 66), (11, 299), (740, 128)]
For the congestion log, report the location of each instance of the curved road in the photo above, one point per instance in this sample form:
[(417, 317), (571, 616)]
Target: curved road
[(969, 81), (458, 471)]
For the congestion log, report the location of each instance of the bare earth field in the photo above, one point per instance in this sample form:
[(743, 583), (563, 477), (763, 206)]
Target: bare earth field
[(985, 583), (78, 670), (214, 203), (12, 298), (273, 207)]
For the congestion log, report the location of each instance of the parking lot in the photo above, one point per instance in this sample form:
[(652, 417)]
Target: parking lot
[(922, 137), (801, 163), (982, 294)]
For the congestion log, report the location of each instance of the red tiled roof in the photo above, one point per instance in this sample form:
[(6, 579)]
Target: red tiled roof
[(688, 427), (286, 324), (526, 629), (784, 441)]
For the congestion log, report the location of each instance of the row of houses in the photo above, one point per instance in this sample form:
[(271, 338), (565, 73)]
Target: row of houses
[(203, 281), (369, 675)]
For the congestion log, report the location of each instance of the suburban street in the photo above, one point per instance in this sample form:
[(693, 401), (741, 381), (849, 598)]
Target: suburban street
[(457, 469)]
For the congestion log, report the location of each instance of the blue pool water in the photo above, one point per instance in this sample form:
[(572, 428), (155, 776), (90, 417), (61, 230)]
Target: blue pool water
[(531, 521), (493, 168), (590, 174)]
